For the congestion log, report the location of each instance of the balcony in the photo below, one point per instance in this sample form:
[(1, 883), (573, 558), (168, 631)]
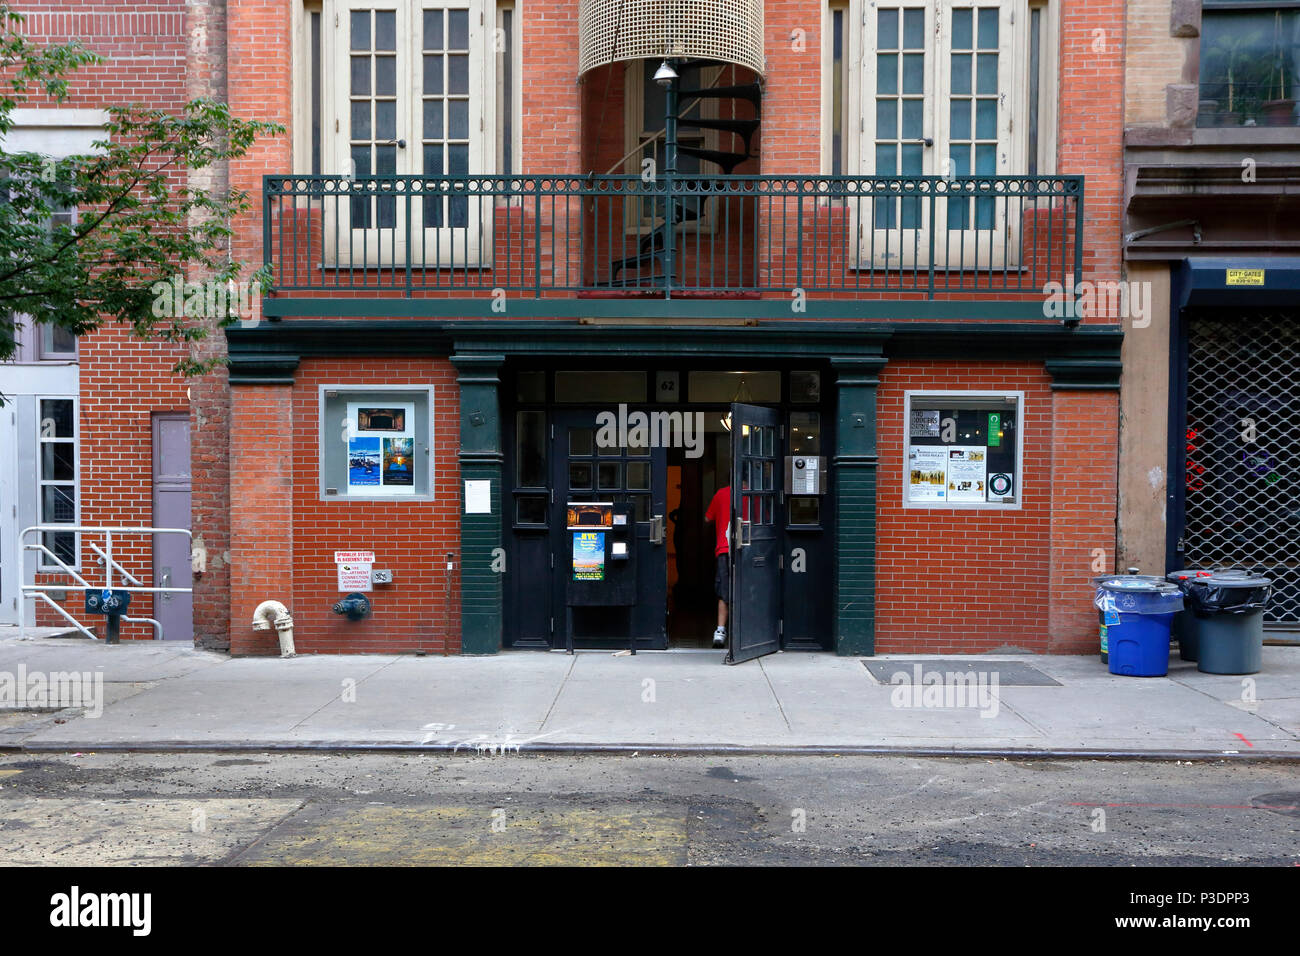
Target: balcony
[(672, 246)]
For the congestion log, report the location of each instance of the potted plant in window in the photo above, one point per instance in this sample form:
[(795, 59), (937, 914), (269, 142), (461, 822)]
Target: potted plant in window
[(1229, 58), (1279, 108)]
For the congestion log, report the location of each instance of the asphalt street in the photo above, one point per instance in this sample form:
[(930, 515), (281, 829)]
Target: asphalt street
[(259, 809)]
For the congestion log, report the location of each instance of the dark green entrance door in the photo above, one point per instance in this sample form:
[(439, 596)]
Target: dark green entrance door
[(588, 469), (754, 614)]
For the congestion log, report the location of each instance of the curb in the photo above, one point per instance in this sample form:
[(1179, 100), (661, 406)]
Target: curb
[(651, 750)]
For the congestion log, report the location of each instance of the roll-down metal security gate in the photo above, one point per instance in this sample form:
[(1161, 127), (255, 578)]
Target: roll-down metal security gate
[(1242, 466)]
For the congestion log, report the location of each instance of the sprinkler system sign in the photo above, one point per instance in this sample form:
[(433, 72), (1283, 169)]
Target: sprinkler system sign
[(354, 570)]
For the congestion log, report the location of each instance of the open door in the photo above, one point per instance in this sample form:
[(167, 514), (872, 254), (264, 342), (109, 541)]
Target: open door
[(754, 611)]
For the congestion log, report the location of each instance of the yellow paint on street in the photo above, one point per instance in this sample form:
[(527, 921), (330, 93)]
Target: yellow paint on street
[(9, 773), (56, 831), (622, 835)]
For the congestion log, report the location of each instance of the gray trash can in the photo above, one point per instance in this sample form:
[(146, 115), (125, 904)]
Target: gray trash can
[(1183, 630), (1227, 622)]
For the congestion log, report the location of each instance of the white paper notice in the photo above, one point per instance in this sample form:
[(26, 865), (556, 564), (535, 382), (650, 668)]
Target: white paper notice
[(354, 577), (967, 472), (927, 471), (478, 497)]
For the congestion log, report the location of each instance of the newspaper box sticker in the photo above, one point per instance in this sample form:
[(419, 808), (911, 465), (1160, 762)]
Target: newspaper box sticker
[(107, 602)]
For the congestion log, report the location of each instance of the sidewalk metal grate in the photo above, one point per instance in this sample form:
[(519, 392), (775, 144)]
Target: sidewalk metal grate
[(1243, 447), (1010, 673)]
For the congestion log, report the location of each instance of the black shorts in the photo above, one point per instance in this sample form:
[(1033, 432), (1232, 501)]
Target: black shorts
[(722, 578)]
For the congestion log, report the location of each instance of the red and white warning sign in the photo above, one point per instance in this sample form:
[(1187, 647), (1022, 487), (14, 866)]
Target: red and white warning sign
[(354, 557), (354, 569)]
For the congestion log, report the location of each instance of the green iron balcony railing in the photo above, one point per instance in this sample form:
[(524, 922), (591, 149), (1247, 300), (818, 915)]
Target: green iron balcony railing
[(683, 235)]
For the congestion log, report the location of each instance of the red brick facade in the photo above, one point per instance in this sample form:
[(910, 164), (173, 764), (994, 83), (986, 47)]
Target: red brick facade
[(269, 535), (286, 535), (124, 381), (972, 582)]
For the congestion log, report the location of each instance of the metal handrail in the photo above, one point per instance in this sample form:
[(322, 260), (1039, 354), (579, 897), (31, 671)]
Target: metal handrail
[(39, 591), (919, 236)]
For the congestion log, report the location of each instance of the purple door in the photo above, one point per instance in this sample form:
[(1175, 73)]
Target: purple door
[(171, 509)]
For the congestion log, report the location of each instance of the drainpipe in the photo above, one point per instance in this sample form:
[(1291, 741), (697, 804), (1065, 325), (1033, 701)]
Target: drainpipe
[(271, 614)]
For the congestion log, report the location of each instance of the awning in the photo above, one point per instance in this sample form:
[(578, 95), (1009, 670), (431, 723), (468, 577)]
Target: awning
[(729, 31), (1254, 281)]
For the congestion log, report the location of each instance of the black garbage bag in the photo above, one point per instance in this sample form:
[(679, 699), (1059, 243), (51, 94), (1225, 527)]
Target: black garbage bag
[(1208, 597)]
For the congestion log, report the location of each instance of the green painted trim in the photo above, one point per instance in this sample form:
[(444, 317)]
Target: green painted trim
[(289, 306), (1084, 357), (855, 463), (1086, 374), (481, 457), (270, 369)]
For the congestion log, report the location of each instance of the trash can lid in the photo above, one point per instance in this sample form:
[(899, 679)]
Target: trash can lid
[(1235, 580), (1187, 573), (1146, 583)]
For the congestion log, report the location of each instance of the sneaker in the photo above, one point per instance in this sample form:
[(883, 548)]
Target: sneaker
[(720, 637)]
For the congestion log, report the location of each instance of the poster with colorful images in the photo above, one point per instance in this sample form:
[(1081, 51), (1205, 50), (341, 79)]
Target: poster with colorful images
[(398, 462), (381, 448), (387, 419), (363, 462), (927, 471), (967, 472), (592, 515), (588, 555)]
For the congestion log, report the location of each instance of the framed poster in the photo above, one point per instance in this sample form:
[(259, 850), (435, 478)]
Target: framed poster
[(381, 448)]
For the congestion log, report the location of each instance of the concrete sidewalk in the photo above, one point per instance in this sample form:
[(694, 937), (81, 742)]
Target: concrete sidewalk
[(162, 696)]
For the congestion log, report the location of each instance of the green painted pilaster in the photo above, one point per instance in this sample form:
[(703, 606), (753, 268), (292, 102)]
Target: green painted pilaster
[(854, 464), (481, 459)]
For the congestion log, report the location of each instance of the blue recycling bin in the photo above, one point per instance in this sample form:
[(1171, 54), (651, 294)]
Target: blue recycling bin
[(1137, 612)]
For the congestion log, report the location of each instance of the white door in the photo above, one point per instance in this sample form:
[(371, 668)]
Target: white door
[(10, 563), (937, 100), (410, 99)]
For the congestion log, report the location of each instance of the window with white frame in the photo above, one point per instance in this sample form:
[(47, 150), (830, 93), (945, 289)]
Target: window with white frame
[(44, 343), (951, 88), (508, 89), (57, 477), (918, 86), (962, 449), (376, 442), (406, 88), (837, 75)]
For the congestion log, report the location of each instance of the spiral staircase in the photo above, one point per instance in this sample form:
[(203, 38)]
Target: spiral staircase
[(648, 266)]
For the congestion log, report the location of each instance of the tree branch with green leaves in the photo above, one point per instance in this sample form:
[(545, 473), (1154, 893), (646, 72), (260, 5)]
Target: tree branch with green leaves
[(142, 218)]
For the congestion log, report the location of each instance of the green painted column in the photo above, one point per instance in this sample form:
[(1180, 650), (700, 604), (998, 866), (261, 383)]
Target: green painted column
[(481, 459), (854, 466)]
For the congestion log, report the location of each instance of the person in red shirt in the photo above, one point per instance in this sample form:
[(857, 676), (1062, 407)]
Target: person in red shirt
[(719, 514)]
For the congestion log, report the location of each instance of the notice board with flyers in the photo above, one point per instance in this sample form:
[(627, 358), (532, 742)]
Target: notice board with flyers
[(962, 450)]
